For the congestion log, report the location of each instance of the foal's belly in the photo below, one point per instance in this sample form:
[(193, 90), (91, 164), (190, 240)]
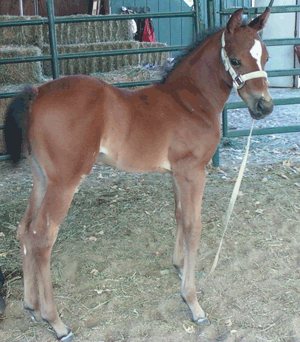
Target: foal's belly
[(135, 160)]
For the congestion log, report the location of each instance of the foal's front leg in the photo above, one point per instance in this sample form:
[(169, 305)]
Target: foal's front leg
[(189, 191), (178, 256)]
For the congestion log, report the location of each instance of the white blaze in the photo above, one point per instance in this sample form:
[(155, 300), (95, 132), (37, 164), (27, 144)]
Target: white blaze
[(256, 52)]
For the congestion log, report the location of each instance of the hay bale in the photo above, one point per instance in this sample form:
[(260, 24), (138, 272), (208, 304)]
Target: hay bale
[(89, 32), (21, 35), (94, 64), (104, 64), (3, 107), (20, 72), (67, 33), (156, 58)]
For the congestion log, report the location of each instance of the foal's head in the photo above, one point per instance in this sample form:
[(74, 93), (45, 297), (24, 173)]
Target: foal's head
[(244, 56)]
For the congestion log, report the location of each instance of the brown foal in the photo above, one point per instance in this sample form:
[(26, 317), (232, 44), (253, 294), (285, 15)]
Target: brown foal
[(173, 127)]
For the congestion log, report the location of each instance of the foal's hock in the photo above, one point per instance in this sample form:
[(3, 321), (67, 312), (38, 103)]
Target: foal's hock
[(173, 127)]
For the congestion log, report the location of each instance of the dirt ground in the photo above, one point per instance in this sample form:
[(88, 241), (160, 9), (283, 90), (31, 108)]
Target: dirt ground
[(111, 264)]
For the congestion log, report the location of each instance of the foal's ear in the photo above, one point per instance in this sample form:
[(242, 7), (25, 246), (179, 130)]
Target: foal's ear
[(235, 21), (260, 22)]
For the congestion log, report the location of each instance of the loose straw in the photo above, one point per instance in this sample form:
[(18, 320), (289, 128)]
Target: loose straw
[(233, 199)]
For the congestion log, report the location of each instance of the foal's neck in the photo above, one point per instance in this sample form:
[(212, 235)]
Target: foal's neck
[(201, 80)]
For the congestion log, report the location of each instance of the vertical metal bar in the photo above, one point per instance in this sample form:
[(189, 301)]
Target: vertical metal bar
[(36, 7), (52, 39), (211, 21), (197, 16), (271, 3), (21, 7), (211, 14), (216, 157), (225, 121)]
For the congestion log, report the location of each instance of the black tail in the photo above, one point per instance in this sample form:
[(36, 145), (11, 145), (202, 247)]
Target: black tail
[(16, 123)]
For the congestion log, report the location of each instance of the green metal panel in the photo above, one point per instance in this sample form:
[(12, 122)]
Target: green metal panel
[(164, 25), (175, 24), (217, 6)]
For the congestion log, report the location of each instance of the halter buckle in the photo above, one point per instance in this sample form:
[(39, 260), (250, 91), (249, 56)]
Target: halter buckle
[(239, 82)]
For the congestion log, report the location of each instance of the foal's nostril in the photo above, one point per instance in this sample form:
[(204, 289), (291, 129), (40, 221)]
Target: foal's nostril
[(262, 108), (260, 105)]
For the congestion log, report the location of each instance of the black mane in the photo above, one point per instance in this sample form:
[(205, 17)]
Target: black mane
[(200, 39)]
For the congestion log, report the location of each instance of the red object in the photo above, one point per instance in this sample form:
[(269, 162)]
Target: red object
[(148, 34)]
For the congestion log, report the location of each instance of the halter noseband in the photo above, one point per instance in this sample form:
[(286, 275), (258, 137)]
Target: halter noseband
[(238, 79)]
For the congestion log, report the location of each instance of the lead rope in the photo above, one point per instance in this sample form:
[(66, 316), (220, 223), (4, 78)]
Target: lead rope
[(233, 199)]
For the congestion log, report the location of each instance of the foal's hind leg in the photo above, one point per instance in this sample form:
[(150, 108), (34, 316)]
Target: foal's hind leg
[(43, 231), (31, 300), (190, 186)]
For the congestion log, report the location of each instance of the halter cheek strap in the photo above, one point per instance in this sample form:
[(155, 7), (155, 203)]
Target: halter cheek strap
[(238, 79)]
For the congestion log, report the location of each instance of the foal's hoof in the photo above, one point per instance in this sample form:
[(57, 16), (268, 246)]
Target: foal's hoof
[(35, 315), (66, 338), (179, 271), (202, 321)]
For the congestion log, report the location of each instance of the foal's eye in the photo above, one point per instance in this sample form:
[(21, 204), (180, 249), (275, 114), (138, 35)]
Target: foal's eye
[(234, 62)]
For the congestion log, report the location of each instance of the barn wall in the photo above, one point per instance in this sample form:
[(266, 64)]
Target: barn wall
[(175, 31)]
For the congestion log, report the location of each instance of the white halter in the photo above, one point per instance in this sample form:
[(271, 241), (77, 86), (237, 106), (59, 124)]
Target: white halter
[(238, 79)]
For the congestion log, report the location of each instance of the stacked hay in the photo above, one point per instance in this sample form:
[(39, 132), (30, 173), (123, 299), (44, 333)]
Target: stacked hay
[(20, 41), (89, 32), (67, 33), (20, 72), (71, 38), (21, 35), (156, 58), (104, 64)]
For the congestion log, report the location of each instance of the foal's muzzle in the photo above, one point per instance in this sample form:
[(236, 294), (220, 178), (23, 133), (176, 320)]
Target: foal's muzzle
[(261, 108)]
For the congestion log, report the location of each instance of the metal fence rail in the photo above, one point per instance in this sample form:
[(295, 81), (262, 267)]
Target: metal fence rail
[(260, 10)]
